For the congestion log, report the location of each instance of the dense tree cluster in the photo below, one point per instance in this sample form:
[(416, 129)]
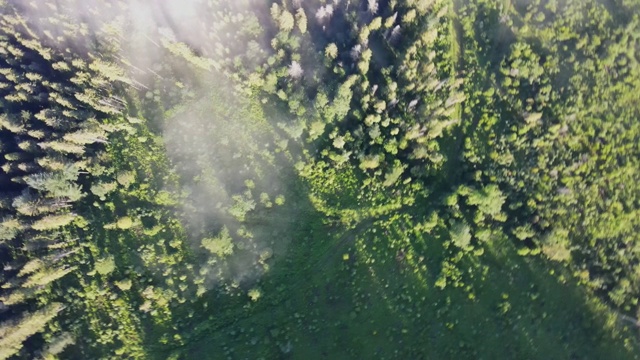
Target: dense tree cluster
[(169, 174)]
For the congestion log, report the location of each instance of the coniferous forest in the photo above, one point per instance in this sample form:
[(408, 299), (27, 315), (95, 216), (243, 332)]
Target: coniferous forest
[(319, 179)]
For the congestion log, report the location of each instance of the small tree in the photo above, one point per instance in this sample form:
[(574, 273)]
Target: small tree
[(10, 227), (331, 52), (372, 6), (286, 21), (254, 294), (295, 70), (126, 178), (301, 19), (124, 223), (460, 235), (105, 266), (489, 200), (221, 245), (102, 189)]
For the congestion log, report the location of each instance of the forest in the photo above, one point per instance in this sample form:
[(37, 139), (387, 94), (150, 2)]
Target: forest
[(319, 179)]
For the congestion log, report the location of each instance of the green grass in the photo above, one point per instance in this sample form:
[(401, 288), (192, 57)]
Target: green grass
[(372, 305)]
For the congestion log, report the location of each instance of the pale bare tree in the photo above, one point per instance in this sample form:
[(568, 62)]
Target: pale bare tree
[(372, 6), (295, 70)]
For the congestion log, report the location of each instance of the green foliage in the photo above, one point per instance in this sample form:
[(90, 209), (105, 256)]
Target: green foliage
[(254, 294), (126, 178), (489, 200), (124, 285), (488, 149), (556, 248), (13, 334), (301, 20), (221, 245), (51, 222), (392, 177), (331, 51), (56, 345), (241, 206), (102, 189), (105, 266), (370, 162), (460, 235), (124, 223), (9, 228), (286, 21)]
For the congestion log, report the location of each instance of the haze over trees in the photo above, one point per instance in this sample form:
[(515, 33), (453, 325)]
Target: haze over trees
[(319, 179)]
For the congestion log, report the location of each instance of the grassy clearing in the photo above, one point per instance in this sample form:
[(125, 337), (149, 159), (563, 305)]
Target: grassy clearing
[(363, 303)]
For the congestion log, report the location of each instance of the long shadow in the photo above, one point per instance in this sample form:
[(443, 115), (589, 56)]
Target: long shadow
[(373, 304)]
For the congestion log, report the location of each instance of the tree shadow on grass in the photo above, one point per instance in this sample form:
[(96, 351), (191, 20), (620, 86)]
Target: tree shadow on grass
[(373, 304)]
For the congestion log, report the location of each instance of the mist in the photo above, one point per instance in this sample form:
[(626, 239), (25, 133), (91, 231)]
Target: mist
[(216, 137)]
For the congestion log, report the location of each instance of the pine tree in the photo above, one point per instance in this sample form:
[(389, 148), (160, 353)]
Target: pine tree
[(46, 276), (331, 51), (286, 21), (30, 204), (372, 6), (56, 345), (301, 19), (295, 70), (109, 70), (10, 227), (51, 222), (18, 296), (64, 147), (31, 267), (14, 333), (11, 124), (57, 184), (86, 136)]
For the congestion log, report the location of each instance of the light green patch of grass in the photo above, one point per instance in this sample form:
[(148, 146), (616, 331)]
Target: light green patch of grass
[(381, 302)]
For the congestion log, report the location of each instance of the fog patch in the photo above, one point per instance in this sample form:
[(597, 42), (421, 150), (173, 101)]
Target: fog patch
[(233, 183), (228, 158)]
